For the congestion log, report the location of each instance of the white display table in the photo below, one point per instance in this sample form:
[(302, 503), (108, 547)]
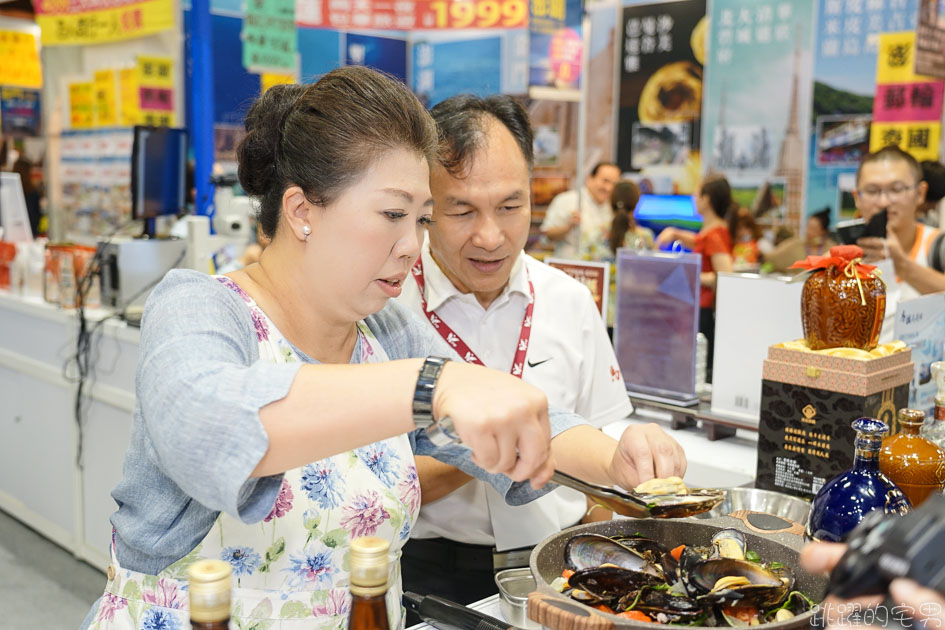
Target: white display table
[(41, 483)]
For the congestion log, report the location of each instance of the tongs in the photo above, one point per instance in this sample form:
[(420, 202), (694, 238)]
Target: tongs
[(634, 505)]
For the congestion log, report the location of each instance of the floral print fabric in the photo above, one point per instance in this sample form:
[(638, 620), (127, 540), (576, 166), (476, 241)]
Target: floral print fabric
[(289, 571)]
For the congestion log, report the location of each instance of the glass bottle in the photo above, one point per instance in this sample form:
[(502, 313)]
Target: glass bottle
[(370, 569), (935, 430), (846, 499), (209, 595), (911, 461)]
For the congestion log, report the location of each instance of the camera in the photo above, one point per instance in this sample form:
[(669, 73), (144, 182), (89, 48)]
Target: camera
[(883, 548)]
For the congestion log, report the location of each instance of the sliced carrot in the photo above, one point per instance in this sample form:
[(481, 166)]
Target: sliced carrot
[(677, 552), (567, 573), (605, 608), (636, 615), (742, 613)]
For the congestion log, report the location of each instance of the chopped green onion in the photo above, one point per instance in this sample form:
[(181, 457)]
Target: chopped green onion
[(752, 556), (776, 565)]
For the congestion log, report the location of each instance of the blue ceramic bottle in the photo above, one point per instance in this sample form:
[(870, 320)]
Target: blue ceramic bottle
[(847, 498)]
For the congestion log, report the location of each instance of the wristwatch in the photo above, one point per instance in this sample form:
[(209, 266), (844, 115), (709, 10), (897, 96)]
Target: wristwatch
[(423, 394)]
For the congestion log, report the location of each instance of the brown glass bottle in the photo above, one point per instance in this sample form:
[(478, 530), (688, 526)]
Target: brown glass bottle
[(369, 573), (912, 462), (209, 595)]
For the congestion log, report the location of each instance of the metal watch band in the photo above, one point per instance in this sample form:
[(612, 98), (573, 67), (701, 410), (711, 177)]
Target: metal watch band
[(423, 394)]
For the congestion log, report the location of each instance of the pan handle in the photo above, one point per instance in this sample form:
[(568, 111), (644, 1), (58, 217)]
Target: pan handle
[(764, 523), (559, 613)]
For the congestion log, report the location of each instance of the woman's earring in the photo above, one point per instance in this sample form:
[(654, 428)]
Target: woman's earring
[(307, 231)]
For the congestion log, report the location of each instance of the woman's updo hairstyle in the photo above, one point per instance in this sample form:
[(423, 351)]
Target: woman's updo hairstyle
[(716, 188), (322, 137)]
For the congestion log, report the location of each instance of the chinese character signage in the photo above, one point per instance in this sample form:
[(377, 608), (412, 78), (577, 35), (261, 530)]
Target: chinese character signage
[(406, 15), (19, 59), (128, 96), (20, 113), (907, 110), (930, 39), (155, 91), (81, 105), (270, 39), (847, 39), (106, 98), (555, 43), (595, 276), (661, 65), (96, 21), (756, 112)]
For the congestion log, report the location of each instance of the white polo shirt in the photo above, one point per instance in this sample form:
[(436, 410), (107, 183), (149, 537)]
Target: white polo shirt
[(569, 357), (898, 291), (596, 219)]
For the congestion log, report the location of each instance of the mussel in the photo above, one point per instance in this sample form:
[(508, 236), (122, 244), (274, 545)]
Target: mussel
[(725, 580), (675, 608), (609, 584), (670, 498), (588, 551), (729, 543)]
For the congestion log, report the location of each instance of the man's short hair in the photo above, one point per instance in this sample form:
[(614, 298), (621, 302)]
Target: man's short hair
[(891, 153), (933, 174), (461, 121), (601, 165)]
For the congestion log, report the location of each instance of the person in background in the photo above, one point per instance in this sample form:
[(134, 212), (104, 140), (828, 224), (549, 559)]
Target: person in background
[(933, 174), (577, 220), (624, 231), (745, 233), (31, 192), (714, 242), (258, 436), (890, 179), (817, 241), (498, 306)]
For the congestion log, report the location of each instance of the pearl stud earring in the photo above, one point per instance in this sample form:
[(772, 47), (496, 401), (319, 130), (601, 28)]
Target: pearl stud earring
[(307, 231)]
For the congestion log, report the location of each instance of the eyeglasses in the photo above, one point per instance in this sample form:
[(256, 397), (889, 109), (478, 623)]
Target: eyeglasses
[(894, 192)]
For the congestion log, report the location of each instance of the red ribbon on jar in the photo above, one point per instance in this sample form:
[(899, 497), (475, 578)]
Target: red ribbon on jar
[(850, 257)]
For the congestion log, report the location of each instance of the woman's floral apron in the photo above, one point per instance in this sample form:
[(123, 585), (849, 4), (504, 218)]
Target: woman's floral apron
[(290, 570)]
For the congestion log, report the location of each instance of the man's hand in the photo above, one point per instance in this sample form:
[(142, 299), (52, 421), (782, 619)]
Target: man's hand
[(645, 452), (874, 248)]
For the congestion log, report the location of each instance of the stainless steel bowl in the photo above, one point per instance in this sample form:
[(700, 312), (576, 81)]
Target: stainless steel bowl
[(514, 587), (756, 500)]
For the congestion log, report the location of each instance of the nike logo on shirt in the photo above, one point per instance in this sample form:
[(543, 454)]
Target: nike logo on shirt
[(537, 363)]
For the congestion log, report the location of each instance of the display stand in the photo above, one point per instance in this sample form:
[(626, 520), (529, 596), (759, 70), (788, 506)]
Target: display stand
[(656, 323)]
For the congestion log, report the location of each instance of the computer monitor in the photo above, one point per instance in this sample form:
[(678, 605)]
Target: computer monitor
[(158, 173), (660, 211)]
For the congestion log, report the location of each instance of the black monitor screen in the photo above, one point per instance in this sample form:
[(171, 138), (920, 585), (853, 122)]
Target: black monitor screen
[(158, 171)]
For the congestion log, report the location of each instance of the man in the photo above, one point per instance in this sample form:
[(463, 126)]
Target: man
[(577, 220), (498, 306), (890, 179), (933, 174)]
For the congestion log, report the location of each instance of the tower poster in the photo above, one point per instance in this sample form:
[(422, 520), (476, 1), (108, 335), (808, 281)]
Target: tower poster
[(756, 104)]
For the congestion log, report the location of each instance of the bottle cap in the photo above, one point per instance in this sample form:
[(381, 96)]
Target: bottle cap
[(209, 590), (369, 565), (911, 417)]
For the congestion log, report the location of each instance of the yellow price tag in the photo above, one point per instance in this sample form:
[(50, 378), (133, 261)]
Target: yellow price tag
[(155, 71), (106, 111), (81, 106), (128, 90)]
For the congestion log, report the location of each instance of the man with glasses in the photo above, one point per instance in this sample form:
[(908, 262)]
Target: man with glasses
[(890, 179)]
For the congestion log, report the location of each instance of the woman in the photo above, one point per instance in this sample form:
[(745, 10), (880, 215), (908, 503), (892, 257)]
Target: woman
[(249, 435), (817, 239), (624, 231), (714, 242), (746, 234)]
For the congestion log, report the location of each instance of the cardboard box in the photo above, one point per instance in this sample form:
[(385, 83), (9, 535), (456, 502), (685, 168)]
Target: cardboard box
[(808, 402)]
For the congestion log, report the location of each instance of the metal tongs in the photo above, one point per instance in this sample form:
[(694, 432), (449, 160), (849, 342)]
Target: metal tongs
[(632, 504)]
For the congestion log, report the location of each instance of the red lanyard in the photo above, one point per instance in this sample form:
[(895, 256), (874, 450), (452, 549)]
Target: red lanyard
[(518, 363)]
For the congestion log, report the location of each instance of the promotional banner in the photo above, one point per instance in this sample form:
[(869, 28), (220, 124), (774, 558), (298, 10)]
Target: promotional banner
[(19, 60), (67, 22), (156, 91), (20, 112), (270, 39), (81, 105), (106, 91), (600, 131), (411, 16), (907, 110), (556, 46), (844, 85), (661, 67), (469, 62), (757, 104), (930, 39), (128, 96), (388, 54)]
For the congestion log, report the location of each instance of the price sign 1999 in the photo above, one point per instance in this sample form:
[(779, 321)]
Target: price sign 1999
[(479, 13)]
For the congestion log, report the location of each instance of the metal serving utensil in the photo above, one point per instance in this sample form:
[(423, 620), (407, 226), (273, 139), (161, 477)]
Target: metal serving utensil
[(695, 501)]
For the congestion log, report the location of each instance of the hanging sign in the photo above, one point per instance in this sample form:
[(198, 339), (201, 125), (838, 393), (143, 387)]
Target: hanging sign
[(423, 14), (19, 60), (156, 91), (270, 39), (20, 113), (66, 22)]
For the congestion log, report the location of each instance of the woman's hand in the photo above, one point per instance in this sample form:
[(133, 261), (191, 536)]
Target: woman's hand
[(501, 418), (645, 452), (666, 237)]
